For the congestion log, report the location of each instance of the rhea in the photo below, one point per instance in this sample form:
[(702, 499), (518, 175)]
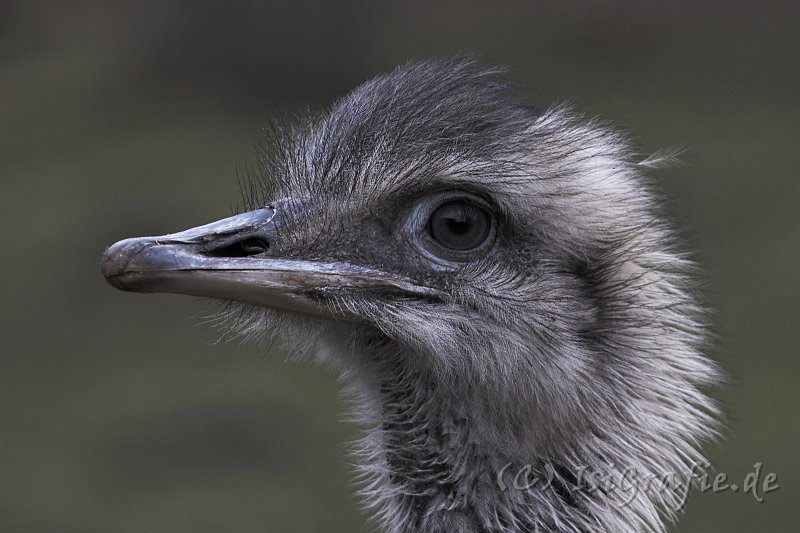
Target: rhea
[(515, 317)]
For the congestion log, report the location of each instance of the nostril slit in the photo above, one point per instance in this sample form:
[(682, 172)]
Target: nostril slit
[(254, 246), (243, 248)]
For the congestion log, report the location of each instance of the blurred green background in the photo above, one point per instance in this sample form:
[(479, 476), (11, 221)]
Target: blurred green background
[(121, 412)]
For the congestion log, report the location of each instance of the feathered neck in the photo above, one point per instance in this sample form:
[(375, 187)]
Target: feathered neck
[(426, 466)]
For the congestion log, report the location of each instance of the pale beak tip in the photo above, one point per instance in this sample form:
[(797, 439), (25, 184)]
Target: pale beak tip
[(116, 259)]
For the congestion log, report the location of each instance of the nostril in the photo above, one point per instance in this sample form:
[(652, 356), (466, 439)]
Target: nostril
[(253, 246), (243, 248)]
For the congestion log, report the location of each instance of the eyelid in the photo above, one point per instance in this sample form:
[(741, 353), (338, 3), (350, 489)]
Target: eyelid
[(447, 195)]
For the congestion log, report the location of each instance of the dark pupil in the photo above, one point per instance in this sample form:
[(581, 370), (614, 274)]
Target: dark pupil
[(459, 226)]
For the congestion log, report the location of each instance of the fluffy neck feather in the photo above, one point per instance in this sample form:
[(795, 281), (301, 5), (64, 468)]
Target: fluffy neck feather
[(426, 465), (429, 463)]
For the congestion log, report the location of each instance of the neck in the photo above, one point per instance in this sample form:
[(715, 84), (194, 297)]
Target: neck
[(440, 456), (428, 464)]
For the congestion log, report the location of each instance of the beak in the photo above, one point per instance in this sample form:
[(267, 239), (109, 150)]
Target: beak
[(231, 259)]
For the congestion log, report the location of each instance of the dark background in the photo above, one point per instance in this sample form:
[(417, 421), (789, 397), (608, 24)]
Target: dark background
[(120, 412)]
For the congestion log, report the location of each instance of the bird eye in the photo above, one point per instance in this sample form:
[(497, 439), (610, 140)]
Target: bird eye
[(459, 226)]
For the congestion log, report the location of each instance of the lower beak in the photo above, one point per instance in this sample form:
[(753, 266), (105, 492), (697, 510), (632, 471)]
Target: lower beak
[(230, 259)]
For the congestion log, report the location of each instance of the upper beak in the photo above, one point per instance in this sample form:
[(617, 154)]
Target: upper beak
[(230, 259)]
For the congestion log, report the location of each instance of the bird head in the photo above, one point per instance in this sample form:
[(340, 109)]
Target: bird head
[(513, 259)]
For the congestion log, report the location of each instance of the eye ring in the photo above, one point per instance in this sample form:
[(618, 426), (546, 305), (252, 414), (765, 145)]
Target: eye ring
[(452, 227)]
